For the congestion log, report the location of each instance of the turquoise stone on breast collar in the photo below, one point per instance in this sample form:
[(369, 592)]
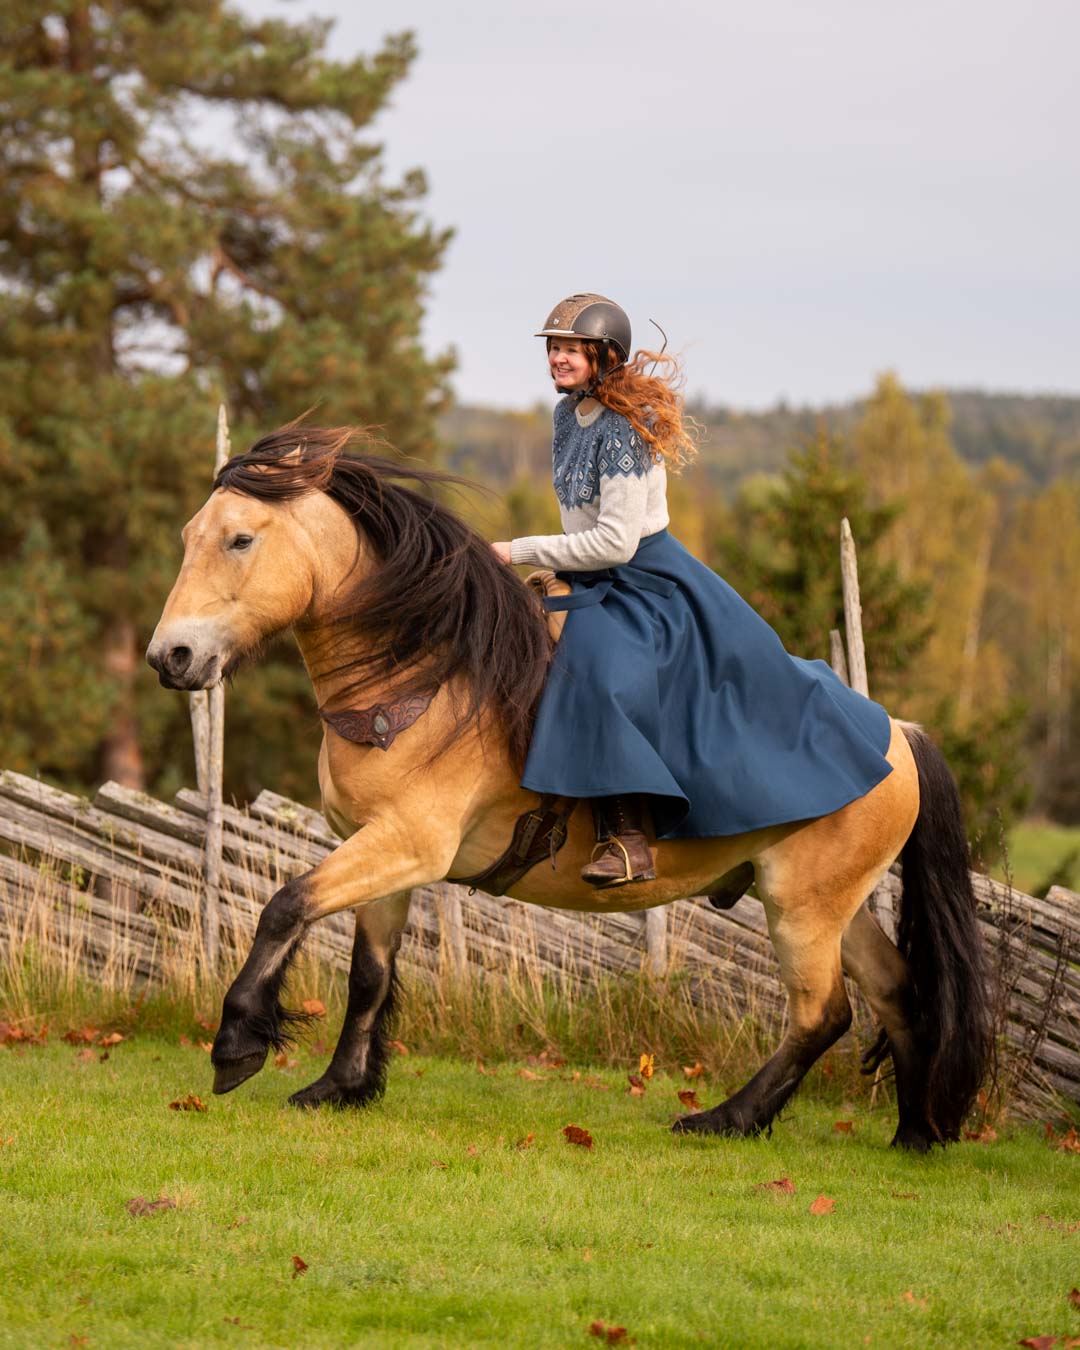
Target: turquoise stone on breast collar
[(381, 723)]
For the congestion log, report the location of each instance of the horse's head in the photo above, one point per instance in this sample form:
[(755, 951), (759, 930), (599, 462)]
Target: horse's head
[(251, 569)]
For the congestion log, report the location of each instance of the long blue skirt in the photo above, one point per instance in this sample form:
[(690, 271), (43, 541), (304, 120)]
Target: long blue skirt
[(666, 683)]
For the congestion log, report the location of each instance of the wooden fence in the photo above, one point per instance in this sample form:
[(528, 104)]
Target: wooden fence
[(131, 869)]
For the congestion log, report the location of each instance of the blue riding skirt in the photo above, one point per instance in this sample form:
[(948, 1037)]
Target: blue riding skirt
[(666, 683)]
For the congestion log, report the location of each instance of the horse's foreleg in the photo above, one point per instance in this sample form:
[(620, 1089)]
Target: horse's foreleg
[(388, 856), (808, 946), (882, 974), (356, 1074)]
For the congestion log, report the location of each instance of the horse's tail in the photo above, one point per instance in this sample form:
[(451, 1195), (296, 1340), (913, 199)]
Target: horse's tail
[(939, 937)]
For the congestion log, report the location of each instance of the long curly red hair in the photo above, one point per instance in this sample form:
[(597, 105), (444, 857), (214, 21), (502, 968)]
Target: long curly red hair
[(652, 403)]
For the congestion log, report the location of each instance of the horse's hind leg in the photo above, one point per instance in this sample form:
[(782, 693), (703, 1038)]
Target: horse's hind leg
[(356, 1073), (807, 942), (882, 974)]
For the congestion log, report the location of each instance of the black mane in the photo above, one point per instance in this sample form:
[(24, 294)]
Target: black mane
[(440, 608)]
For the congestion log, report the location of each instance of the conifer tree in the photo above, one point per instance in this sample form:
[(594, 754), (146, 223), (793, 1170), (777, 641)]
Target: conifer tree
[(780, 548), (190, 211)]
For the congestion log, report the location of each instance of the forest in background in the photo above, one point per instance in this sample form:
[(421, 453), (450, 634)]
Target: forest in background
[(146, 276)]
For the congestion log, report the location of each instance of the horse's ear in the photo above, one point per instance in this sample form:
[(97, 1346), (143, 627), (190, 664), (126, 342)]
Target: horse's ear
[(290, 459)]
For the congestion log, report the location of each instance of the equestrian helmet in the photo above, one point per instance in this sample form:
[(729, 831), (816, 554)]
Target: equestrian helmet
[(590, 316)]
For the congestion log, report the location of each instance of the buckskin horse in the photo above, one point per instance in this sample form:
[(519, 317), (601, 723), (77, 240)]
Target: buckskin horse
[(427, 656)]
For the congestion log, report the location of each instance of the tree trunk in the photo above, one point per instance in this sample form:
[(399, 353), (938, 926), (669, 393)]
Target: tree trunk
[(121, 755)]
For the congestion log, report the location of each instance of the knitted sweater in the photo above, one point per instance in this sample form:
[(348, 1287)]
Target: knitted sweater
[(612, 491)]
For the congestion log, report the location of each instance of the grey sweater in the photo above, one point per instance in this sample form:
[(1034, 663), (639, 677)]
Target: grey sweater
[(612, 491)]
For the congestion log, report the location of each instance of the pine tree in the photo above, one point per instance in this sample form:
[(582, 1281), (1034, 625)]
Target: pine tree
[(189, 212), (780, 548)]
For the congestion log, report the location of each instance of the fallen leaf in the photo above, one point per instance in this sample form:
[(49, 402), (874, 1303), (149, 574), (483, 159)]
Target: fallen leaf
[(78, 1340), (87, 1054), (103, 1056), (613, 1335), (83, 1036), (1069, 1142), (1074, 1297), (185, 1040), (398, 1047), (205, 1023), (206, 1045), (904, 1195), (647, 1066), (239, 1223), (472, 1151), (437, 1162), (529, 1075), (591, 1081), (1048, 1130), (526, 1142), (637, 1085), (783, 1186), (551, 1060), (114, 1038), (986, 1135), (910, 1297), (576, 1135), (481, 1067), (235, 1322), (418, 1073), (317, 1048), (141, 1208), (822, 1205), (587, 1254), (188, 1103), (695, 1070), (1038, 1342), (843, 1127), (314, 1007), (689, 1099), (299, 1266)]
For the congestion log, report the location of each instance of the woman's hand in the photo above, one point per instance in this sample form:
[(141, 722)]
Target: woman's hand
[(502, 551)]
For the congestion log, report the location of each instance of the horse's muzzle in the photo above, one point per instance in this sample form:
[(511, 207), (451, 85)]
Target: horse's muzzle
[(181, 667)]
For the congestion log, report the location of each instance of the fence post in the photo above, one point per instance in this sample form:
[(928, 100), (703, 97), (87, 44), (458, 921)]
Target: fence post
[(451, 928), (837, 659), (208, 731), (656, 944), (849, 575)]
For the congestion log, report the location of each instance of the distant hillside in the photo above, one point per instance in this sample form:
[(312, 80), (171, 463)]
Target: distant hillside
[(1039, 434)]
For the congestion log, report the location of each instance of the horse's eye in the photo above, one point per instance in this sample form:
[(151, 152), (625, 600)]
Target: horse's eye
[(242, 541)]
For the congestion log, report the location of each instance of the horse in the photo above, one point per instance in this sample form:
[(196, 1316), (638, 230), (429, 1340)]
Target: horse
[(428, 656)]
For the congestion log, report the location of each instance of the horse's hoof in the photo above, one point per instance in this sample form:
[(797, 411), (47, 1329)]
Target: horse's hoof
[(692, 1125), (913, 1139), (713, 1122), (229, 1076), (319, 1093)]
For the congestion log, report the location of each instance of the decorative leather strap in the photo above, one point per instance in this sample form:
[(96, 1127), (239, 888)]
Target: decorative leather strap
[(379, 724), (537, 834)]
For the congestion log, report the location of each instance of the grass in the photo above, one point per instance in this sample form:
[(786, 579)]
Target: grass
[(422, 1224), (1040, 852)]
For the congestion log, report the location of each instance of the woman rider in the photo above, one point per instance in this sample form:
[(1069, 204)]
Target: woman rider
[(668, 696)]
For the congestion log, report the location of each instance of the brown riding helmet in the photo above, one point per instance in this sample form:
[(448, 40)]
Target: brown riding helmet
[(590, 316)]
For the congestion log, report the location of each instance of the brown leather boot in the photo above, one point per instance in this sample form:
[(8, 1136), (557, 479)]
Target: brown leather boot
[(622, 852)]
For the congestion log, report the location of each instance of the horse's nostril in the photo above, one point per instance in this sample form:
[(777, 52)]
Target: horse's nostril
[(178, 660)]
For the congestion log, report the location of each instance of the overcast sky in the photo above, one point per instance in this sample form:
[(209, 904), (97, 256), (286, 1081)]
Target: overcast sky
[(802, 194)]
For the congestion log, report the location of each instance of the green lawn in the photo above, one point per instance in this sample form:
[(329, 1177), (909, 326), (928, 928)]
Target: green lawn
[(1037, 850), (422, 1224)]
